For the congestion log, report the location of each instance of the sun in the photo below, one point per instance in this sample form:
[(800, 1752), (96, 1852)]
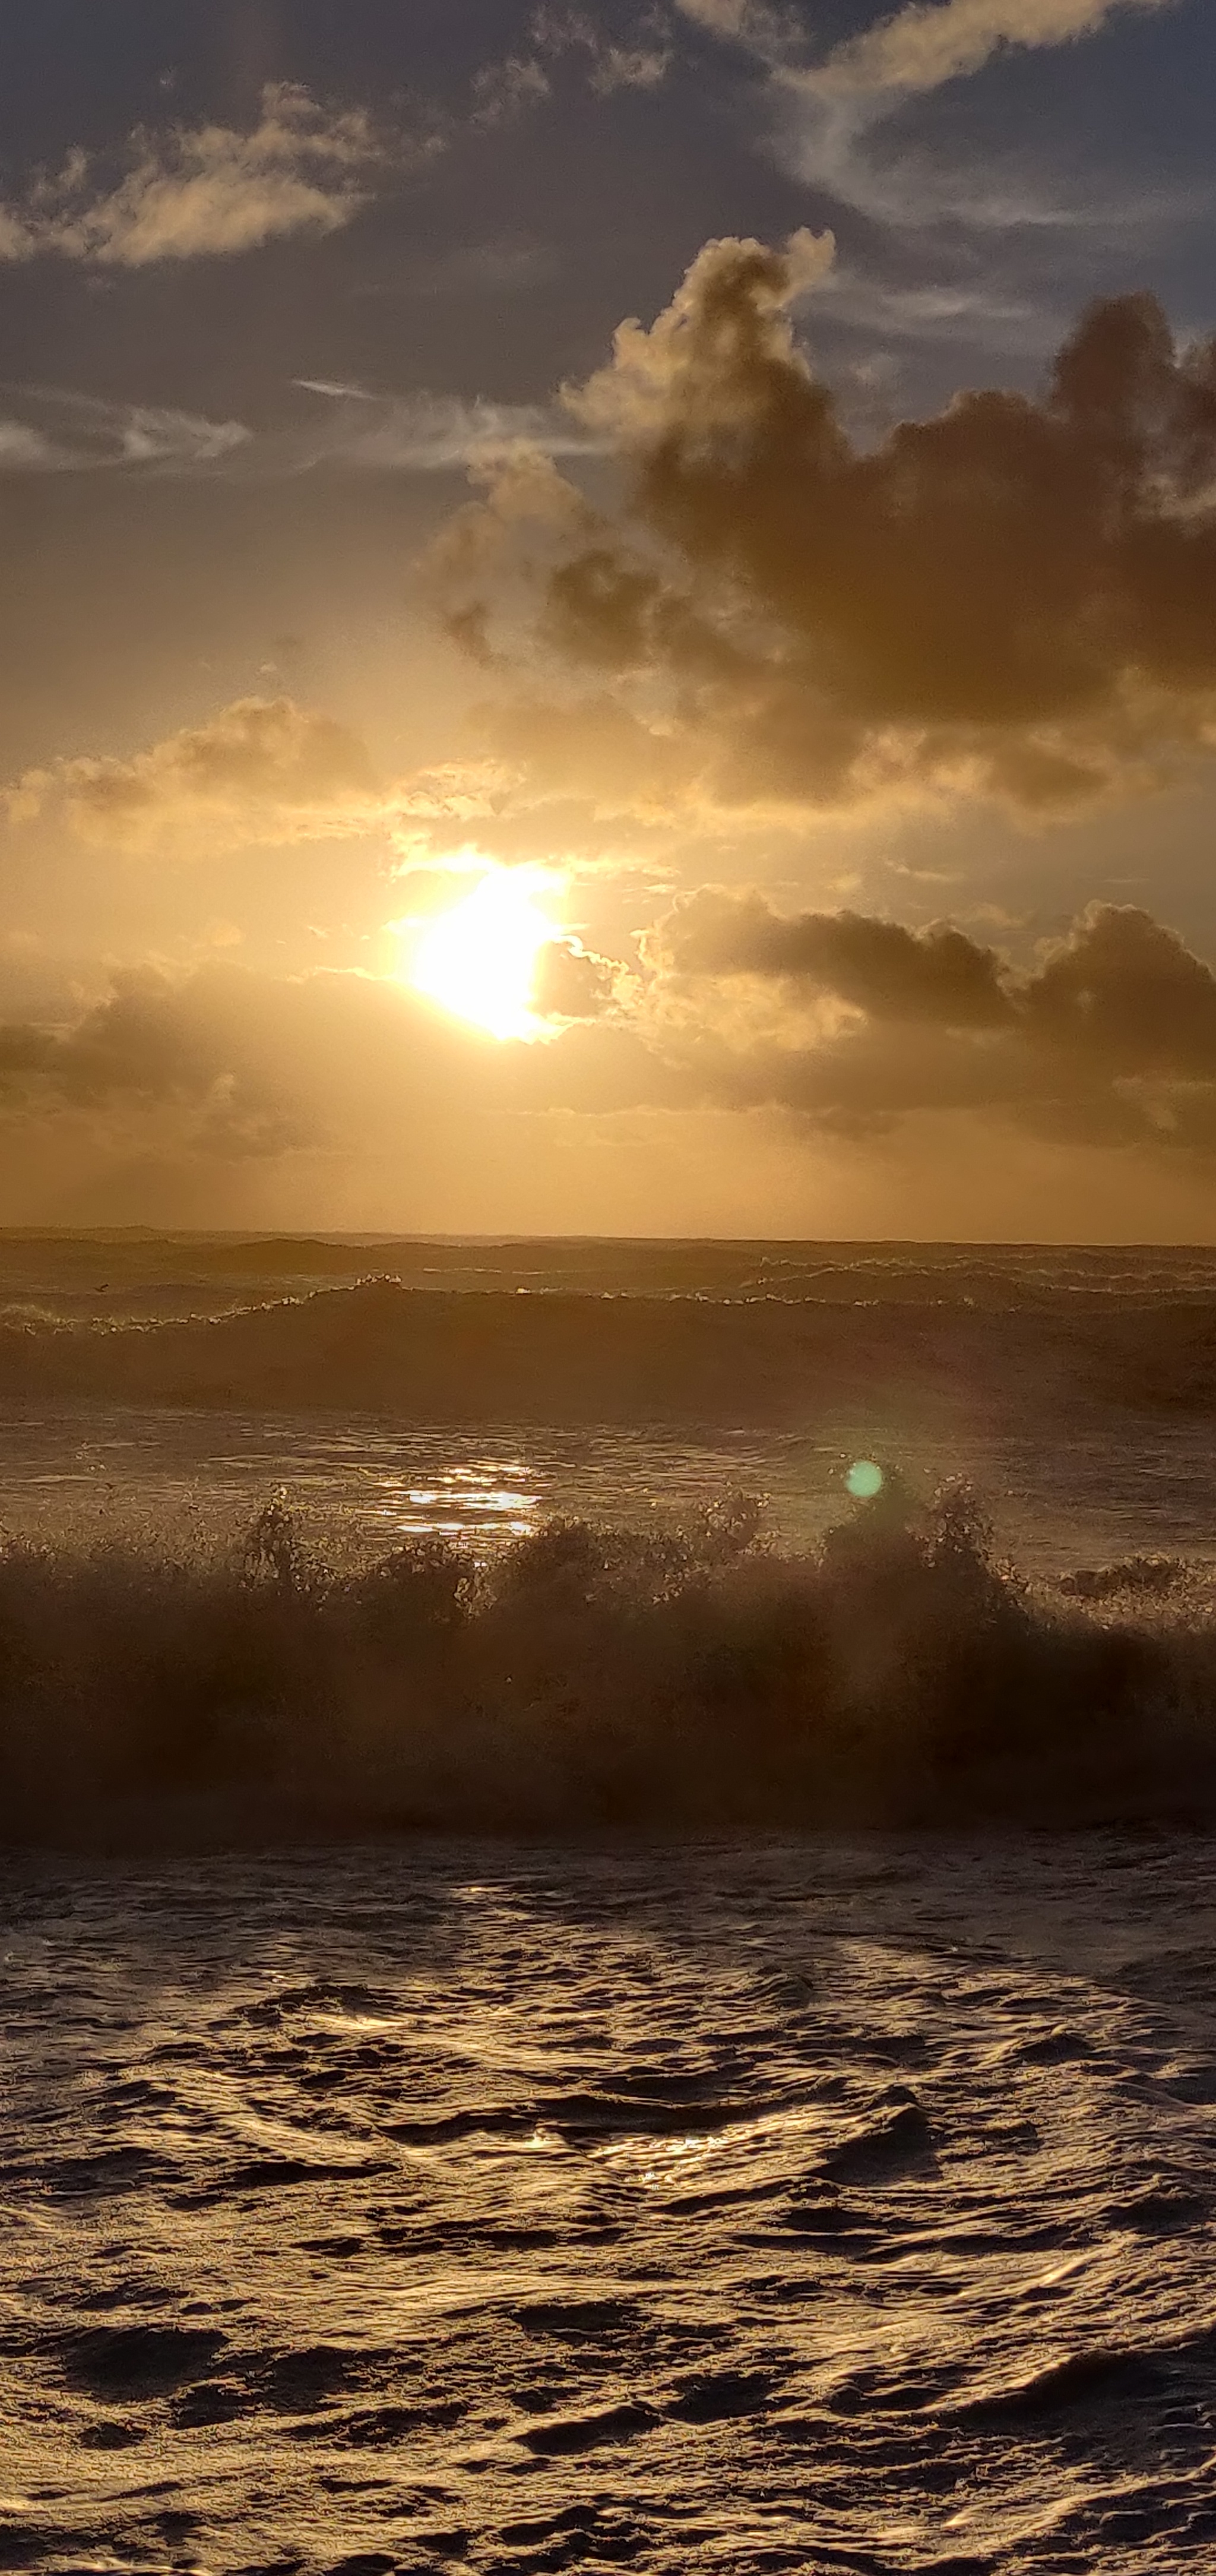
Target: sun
[(480, 960)]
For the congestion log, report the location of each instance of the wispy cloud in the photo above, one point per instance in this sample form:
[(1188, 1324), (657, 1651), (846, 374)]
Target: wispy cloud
[(304, 167), (503, 91), (640, 60), (934, 41), (210, 191), (46, 431), (829, 120), (420, 433)]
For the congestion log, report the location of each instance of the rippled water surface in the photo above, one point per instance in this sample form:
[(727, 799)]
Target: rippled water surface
[(364, 1483), (796, 2206), (815, 2206)]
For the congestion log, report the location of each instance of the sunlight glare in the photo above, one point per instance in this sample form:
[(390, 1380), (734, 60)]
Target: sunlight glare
[(479, 961)]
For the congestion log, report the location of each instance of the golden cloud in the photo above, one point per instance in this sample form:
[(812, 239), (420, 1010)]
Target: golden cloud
[(1016, 598), (921, 46), (845, 1023), (209, 191), (263, 769)]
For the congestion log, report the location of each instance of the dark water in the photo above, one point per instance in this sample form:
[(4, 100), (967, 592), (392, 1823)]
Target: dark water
[(666, 1335), (398, 1387), (647, 2182)]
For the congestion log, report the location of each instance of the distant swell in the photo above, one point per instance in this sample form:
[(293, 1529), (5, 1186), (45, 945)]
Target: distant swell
[(447, 1355), (591, 1678)]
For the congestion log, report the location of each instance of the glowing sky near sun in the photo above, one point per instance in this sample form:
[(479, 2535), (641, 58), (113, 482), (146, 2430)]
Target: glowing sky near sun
[(609, 617), (479, 959)]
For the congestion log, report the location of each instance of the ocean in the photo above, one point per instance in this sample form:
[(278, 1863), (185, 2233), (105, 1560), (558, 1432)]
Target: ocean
[(575, 1995)]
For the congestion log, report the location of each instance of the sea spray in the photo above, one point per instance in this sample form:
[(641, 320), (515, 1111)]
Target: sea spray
[(596, 1677)]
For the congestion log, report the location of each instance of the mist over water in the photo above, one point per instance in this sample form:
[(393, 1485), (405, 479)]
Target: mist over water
[(617, 1534), (582, 1677)]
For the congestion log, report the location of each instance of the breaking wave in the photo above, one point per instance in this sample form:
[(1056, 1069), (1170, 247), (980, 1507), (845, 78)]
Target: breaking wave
[(482, 1355), (591, 1678)]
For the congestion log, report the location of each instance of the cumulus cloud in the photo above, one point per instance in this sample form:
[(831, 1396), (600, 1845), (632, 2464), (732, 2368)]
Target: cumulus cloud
[(879, 967), (837, 1026), (209, 191), (229, 1065), (191, 1046), (921, 46), (678, 368), (263, 769), (1016, 598), (1109, 1038)]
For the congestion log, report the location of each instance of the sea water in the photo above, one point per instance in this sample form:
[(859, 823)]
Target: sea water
[(571, 1997)]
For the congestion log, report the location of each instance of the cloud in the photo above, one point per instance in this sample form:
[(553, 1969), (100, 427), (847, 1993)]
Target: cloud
[(52, 431), (26, 450), (504, 91), (419, 433), (767, 31), (263, 769), (733, 287), (1014, 599), (922, 46), (878, 967), (854, 1022), (572, 983), (228, 1064), (190, 1046), (57, 432), (206, 192), (847, 126), (641, 61), (846, 1026)]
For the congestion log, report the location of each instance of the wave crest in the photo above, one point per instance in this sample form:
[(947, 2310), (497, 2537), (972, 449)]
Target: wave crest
[(587, 1678), (447, 1355)]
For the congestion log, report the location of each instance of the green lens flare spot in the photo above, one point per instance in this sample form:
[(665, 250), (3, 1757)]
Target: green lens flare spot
[(864, 1480)]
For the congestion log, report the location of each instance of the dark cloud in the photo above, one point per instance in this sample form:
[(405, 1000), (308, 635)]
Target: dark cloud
[(252, 1063), (880, 967), (1016, 597), (1126, 992), (1111, 1037), (195, 1045), (853, 1025)]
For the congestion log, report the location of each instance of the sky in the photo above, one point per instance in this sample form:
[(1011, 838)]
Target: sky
[(609, 620)]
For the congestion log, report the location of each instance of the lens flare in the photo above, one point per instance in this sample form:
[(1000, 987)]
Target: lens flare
[(864, 1480), (479, 961)]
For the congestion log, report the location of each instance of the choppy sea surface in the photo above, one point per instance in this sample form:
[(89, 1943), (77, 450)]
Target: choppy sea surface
[(395, 1387), (815, 2206), (660, 2186)]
